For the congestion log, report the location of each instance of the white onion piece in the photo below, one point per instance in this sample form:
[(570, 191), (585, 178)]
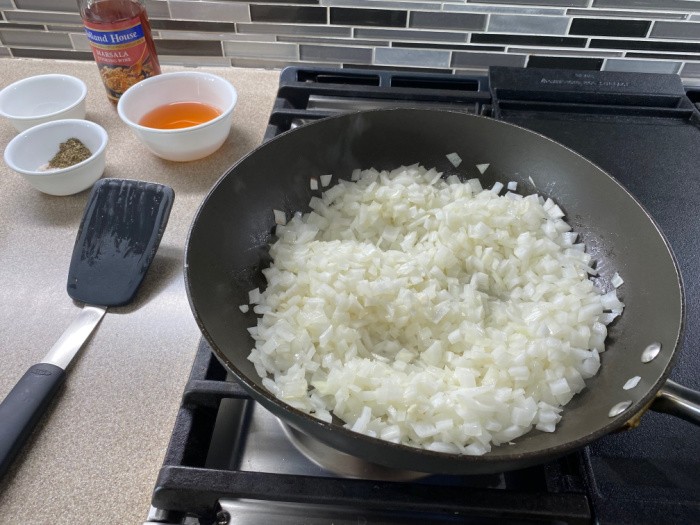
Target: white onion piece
[(616, 280), (313, 183), (280, 217), (455, 159), (482, 168), (512, 186), (254, 296), (326, 180), (244, 308)]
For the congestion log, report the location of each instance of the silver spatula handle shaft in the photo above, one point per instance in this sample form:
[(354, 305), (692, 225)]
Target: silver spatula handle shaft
[(73, 338), (23, 407)]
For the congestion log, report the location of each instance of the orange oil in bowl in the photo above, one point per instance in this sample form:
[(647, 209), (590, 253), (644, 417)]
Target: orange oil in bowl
[(178, 115)]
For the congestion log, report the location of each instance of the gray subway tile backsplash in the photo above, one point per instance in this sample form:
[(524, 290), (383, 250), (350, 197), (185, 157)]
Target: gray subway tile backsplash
[(276, 50), (368, 17), (219, 11), (557, 3), (647, 45), (341, 54), (663, 56), (40, 17), (595, 53), (533, 25), (288, 14), (278, 64), (403, 34), (659, 5), (553, 62), (446, 36), (609, 27), (691, 70), (79, 41), (17, 25), (47, 5), (63, 28), (453, 47), (504, 9), (191, 25), (27, 38), (649, 66), (612, 13), (525, 40), (387, 4), (452, 21), (676, 30), (198, 35), (396, 56), (189, 47), (298, 39), (194, 61), (51, 54), (157, 9), (468, 59), (290, 29)]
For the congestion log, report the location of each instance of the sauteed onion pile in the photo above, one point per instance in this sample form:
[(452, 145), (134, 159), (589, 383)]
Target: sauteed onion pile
[(430, 312)]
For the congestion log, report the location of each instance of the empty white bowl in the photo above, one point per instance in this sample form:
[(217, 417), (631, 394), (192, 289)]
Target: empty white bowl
[(35, 147), (183, 144), (43, 98)]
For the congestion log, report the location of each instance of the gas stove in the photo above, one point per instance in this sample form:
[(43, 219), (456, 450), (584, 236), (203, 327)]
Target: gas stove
[(230, 461)]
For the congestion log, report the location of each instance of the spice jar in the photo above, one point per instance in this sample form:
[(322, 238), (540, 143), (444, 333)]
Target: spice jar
[(121, 42)]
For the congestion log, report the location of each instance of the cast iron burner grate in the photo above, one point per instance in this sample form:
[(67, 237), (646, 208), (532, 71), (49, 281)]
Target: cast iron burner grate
[(228, 460)]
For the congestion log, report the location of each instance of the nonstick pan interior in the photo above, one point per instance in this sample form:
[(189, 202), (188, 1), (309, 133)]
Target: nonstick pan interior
[(227, 248)]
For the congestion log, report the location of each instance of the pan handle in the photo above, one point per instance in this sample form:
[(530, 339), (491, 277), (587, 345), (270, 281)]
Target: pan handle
[(678, 401)]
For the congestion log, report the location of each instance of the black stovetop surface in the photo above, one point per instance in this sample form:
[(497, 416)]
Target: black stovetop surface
[(643, 129)]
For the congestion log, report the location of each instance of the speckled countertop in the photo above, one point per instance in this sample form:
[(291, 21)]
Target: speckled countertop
[(96, 456)]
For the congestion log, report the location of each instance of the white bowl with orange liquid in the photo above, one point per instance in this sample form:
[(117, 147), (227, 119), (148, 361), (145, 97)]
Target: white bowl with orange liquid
[(180, 116)]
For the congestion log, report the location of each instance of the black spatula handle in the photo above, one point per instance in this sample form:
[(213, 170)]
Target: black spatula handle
[(21, 410)]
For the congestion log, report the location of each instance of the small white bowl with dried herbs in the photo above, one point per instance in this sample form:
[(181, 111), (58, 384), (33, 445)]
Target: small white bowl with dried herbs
[(61, 157)]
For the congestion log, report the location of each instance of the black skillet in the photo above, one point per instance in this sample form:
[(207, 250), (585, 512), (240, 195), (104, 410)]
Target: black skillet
[(227, 248)]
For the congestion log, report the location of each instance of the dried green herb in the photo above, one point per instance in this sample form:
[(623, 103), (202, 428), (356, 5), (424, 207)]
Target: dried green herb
[(69, 153)]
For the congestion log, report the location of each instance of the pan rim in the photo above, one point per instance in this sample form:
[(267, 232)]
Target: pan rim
[(461, 462)]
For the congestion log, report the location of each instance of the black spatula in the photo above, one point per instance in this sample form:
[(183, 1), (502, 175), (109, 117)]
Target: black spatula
[(118, 237)]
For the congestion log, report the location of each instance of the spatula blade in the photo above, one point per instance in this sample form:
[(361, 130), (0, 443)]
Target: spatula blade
[(119, 235)]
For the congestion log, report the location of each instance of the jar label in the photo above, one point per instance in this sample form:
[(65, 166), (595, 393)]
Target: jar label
[(121, 53)]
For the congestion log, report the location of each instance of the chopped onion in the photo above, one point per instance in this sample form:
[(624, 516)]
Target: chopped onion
[(326, 180), (244, 308), (280, 217), (429, 312), (512, 186), (314, 183), (254, 296), (455, 159), (616, 280), (482, 168)]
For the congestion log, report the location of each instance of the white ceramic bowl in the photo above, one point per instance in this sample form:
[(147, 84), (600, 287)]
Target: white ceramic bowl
[(182, 144), (32, 148), (43, 98)]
